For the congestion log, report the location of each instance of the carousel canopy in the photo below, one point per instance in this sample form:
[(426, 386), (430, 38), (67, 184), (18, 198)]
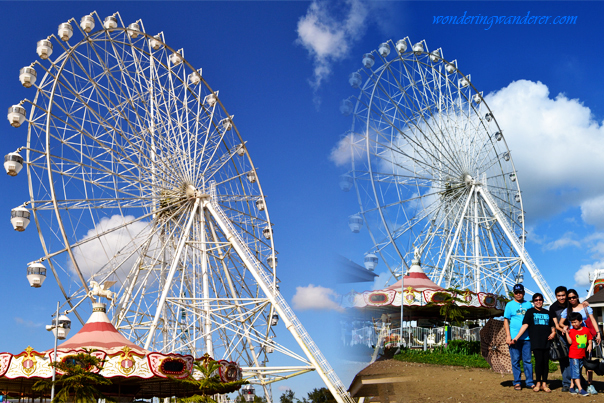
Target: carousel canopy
[(98, 333)]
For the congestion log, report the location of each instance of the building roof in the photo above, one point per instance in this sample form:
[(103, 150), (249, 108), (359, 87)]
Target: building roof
[(416, 279), (98, 333)]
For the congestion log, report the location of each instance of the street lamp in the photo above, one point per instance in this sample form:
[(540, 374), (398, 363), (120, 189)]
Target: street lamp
[(61, 325)]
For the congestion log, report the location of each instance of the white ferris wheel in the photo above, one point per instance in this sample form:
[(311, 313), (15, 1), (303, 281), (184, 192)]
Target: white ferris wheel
[(432, 171), (140, 181)]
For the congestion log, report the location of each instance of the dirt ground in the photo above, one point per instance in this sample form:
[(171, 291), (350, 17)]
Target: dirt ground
[(428, 383)]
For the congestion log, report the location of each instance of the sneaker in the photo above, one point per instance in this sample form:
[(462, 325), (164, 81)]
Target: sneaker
[(573, 391), (591, 390), (565, 388), (583, 393)]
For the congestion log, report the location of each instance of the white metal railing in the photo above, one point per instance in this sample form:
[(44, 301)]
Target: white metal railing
[(265, 281), (413, 336)]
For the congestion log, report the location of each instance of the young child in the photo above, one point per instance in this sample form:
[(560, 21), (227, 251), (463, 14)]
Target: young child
[(579, 339)]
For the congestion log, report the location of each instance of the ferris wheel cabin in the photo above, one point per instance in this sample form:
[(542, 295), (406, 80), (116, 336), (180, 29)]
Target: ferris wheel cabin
[(36, 274), (19, 217), (13, 163)]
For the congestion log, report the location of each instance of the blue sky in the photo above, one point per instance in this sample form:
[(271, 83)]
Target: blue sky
[(252, 53)]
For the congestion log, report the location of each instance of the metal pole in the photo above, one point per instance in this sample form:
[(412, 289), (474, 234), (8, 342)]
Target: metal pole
[(54, 357), (402, 303)]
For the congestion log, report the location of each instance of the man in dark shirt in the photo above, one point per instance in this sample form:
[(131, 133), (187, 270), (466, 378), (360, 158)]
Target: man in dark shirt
[(555, 312)]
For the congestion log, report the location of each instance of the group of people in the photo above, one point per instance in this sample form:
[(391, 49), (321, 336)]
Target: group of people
[(530, 327)]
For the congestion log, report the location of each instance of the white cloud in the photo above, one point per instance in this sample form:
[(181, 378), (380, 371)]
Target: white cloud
[(379, 283), (582, 275), (94, 255), (327, 38), (283, 388), (27, 323), (592, 211), (315, 297), (341, 154), (566, 240), (557, 147)]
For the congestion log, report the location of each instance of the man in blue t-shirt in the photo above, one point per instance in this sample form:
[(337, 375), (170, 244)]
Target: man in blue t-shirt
[(521, 350)]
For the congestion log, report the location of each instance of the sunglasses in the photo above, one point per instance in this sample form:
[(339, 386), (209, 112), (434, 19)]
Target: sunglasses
[(537, 300), (573, 297), (518, 292)]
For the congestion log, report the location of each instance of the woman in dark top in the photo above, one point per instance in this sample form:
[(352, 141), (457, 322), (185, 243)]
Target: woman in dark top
[(541, 330)]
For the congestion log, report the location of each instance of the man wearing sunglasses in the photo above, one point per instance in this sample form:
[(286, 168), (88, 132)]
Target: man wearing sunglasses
[(521, 348), (555, 312)]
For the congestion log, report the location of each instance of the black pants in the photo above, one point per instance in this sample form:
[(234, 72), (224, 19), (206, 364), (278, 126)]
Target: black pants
[(541, 368)]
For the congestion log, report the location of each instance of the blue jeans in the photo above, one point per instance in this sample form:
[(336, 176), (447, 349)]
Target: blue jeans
[(565, 367), (576, 364), (521, 350)]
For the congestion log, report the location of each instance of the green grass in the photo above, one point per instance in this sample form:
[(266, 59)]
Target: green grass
[(458, 353)]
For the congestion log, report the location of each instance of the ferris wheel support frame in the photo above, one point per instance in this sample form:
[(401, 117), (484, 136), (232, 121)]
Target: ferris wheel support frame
[(528, 262), (292, 323)]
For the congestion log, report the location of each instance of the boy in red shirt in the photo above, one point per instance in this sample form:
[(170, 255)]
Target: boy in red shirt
[(579, 339)]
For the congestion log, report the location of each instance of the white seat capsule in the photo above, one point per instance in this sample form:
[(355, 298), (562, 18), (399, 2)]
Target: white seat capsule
[(272, 263), (522, 238), (226, 124), (355, 222), (274, 319), (16, 115), (435, 55), (155, 42), (260, 204), (175, 58), (477, 98), (355, 80), (65, 31), (210, 100), (110, 22), (450, 68), (498, 136), (346, 107), (195, 77), (384, 49), (13, 163), (488, 116), (345, 182), (506, 156), (60, 328), (251, 176), (513, 177), (27, 76), (19, 217), (133, 30), (521, 218), (464, 82), (240, 150), (87, 23), (418, 48), (36, 274), (44, 49), (517, 197), (371, 261), (368, 60), (267, 232), (401, 46)]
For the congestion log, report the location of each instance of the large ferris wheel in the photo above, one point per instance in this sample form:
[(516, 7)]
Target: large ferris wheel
[(432, 171), (141, 183)]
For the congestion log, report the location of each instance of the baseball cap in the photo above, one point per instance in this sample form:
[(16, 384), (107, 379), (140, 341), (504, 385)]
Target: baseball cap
[(518, 288)]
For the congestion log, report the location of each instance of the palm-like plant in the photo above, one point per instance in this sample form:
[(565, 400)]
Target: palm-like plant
[(448, 305), (78, 383), (209, 384)]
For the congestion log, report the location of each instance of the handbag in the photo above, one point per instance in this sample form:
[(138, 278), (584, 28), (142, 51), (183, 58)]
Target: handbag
[(557, 348), (590, 325), (596, 364)]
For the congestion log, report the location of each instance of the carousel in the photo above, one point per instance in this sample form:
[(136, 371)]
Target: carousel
[(421, 299), (134, 372)]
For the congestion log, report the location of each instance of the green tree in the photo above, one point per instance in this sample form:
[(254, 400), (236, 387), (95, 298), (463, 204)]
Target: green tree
[(322, 395), (288, 396), (77, 383), (447, 301), (209, 384)]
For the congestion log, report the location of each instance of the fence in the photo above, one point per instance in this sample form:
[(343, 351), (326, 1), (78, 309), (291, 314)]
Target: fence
[(413, 336)]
